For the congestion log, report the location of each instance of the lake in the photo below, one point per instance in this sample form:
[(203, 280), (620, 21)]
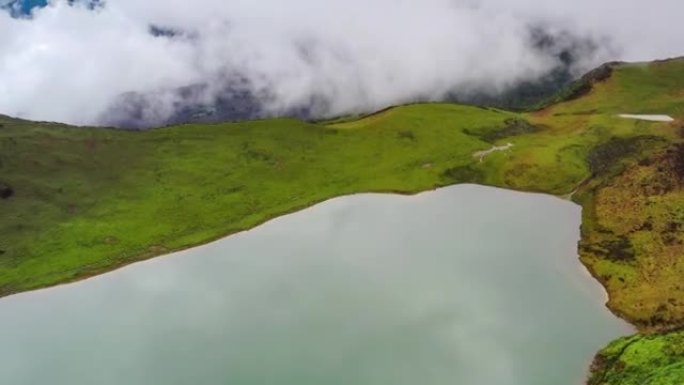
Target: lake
[(463, 285)]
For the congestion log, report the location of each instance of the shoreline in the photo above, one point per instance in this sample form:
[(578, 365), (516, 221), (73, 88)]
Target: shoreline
[(154, 255), (576, 279), (600, 293)]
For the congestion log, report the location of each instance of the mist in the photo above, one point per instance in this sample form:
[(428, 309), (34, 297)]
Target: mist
[(145, 63)]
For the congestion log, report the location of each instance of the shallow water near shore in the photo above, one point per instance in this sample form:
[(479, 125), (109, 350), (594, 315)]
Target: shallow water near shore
[(463, 285)]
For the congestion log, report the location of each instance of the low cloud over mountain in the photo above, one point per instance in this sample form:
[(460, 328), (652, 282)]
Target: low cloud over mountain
[(144, 63)]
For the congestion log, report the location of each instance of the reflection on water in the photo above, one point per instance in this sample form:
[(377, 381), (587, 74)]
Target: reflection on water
[(465, 285)]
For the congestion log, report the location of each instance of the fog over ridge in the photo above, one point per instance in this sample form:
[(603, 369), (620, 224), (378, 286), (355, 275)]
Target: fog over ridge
[(145, 63)]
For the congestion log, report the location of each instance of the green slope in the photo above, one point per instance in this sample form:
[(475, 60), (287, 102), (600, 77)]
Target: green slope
[(89, 200), (641, 360), (85, 201)]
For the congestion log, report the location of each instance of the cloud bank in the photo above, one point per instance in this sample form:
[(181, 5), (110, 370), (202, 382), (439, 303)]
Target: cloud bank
[(151, 60)]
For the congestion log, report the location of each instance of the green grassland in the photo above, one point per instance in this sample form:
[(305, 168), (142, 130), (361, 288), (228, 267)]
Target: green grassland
[(86, 201), (641, 360)]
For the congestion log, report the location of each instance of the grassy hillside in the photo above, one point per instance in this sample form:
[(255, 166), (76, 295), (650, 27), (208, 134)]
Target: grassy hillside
[(88, 200), (641, 360), (81, 201)]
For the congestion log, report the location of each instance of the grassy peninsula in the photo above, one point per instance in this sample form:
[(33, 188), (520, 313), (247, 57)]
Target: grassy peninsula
[(76, 202)]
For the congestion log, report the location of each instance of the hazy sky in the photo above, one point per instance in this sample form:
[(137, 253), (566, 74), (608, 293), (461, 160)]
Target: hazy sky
[(68, 63)]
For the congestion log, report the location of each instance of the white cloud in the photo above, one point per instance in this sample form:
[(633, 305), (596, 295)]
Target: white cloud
[(70, 64)]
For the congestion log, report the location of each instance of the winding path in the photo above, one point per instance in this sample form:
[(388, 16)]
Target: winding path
[(483, 154)]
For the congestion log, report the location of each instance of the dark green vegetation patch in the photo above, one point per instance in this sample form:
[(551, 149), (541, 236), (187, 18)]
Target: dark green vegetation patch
[(512, 127), (611, 154), (6, 191)]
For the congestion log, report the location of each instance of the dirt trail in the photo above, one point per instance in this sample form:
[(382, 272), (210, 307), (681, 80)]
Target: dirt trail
[(483, 154)]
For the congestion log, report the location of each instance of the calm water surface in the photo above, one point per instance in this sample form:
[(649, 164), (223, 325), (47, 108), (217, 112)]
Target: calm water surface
[(465, 285)]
